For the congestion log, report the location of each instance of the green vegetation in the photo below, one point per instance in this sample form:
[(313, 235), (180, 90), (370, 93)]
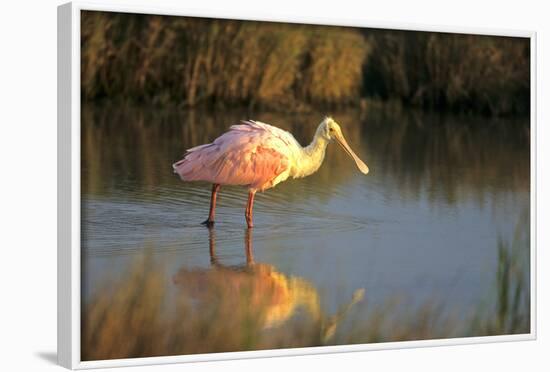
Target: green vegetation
[(205, 62), (512, 305)]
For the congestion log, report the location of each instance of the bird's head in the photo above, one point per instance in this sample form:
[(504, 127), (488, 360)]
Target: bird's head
[(330, 129)]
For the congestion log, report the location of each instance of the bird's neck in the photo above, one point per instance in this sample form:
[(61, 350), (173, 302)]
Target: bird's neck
[(312, 156)]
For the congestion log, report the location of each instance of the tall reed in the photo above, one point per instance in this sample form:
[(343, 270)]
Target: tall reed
[(195, 61), (205, 62), (466, 73)]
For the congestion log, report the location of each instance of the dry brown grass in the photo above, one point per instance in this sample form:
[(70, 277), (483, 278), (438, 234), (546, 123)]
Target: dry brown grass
[(467, 73), (195, 61), (205, 62)]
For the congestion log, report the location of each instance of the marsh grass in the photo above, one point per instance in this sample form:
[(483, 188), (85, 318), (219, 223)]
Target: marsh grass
[(195, 61), (458, 72), (511, 310), (292, 67)]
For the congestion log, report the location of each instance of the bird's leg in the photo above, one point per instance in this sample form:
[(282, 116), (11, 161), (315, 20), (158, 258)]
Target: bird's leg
[(212, 247), (210, 220), (248, 248), (249, 207)]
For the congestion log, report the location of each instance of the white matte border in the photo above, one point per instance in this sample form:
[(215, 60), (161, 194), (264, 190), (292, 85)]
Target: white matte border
[(69, 268)]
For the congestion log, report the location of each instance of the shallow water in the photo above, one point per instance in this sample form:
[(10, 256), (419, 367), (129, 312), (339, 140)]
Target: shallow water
[(423, 226)]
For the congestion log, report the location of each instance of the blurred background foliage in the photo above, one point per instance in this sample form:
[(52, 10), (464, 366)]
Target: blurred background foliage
[(191, 62)]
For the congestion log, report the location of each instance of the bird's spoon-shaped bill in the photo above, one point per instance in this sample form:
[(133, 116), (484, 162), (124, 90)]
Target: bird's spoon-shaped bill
[(360, 164)]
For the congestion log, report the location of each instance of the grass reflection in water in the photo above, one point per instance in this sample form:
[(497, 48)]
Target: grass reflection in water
[(253, 306), (221, 308)]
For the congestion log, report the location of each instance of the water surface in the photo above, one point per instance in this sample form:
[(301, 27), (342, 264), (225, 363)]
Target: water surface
[(446, 202)]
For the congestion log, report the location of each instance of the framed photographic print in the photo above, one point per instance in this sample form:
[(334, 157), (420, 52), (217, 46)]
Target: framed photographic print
[(251, 187)]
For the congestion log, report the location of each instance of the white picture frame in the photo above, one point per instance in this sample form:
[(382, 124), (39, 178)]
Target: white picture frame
[(69, 196)]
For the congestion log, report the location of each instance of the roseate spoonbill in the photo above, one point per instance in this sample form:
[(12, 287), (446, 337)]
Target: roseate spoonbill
[(258, 156)]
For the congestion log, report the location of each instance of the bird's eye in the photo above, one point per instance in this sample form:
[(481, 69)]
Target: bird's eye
[(331, 130)]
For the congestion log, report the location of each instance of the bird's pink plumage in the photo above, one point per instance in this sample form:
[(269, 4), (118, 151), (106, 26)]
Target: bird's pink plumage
[(248, 154)]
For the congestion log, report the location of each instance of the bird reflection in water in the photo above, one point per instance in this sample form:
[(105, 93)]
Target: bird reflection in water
[(273, 296), (218, 308)]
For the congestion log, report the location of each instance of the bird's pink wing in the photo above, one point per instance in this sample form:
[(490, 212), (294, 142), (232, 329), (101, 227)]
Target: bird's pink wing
[(248, 154)]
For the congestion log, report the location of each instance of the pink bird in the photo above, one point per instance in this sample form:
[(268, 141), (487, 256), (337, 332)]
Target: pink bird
[(258, 156)]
